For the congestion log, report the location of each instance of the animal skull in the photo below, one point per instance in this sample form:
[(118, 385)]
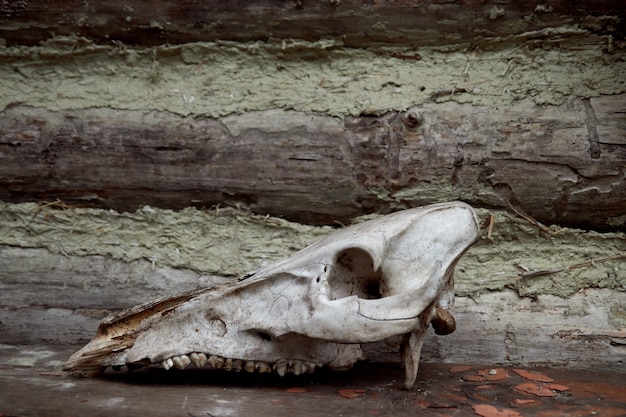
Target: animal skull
[(384, 279)]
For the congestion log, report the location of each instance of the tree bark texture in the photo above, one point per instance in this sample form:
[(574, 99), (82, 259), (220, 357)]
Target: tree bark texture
[(357, 23), (559, 164)]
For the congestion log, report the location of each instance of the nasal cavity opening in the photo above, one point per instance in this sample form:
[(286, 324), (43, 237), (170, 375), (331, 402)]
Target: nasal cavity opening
[(353, 274), (264, 336)]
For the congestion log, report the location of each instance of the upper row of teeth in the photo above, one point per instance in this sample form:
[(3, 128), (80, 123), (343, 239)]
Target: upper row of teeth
[(200, 360)]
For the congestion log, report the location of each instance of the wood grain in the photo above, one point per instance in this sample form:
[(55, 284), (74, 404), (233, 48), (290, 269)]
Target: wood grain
[(356, 23), (559, 164)]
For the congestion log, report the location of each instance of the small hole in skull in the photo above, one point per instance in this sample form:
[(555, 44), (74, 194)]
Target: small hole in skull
[(264, 336)]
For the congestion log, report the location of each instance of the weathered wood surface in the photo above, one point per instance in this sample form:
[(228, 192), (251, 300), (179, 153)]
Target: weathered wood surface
[(561, 164), (39, 305), (357, 23)]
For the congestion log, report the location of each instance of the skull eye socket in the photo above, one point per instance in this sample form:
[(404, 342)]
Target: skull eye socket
[(354, 274)]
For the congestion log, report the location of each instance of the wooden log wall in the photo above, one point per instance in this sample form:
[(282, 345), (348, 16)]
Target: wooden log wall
[(316, 168), (560, 164), (356, 22)]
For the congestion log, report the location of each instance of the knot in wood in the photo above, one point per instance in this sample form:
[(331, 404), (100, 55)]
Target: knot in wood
[(412, 119)]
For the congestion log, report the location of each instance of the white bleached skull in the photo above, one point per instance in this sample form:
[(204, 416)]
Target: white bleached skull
[(384, 279)]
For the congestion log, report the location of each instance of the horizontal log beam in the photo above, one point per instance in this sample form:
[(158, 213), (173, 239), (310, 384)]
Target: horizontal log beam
[(356, 22), (319, 169), (560, 164), (587, 328)]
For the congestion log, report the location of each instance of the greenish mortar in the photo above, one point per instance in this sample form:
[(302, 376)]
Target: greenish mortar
[(231, 242), (220, 78)]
